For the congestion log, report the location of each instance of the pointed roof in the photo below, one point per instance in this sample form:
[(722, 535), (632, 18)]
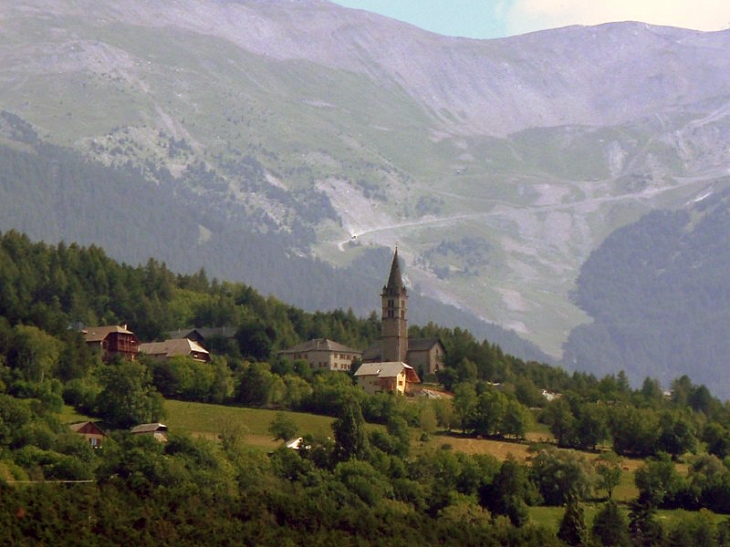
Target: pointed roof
[(395, 280), (388, 369), (172, 347), (98, 334)]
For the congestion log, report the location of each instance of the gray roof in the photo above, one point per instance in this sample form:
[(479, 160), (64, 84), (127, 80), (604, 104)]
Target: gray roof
[(320, 344), (148, 428), (422, 344), (97, 334), (169, 348), (387, 369), (204, 332)]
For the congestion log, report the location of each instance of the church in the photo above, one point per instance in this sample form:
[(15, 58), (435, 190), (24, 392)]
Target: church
[(425, 355)]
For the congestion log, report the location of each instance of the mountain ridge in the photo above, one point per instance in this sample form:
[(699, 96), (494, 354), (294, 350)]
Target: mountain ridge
[(497, 166)]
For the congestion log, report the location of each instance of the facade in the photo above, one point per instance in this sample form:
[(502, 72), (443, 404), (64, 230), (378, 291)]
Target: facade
[(90, 431), (176, 347), (322, 354), (391, 377), (426, 355), (112, 341)]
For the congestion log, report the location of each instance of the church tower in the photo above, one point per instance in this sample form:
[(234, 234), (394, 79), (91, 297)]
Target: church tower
[(394, 335)]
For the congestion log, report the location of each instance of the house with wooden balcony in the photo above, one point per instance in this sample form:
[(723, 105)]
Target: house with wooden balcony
[(112, 342)]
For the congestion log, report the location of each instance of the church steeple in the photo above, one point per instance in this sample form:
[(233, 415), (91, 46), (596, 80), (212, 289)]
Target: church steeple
[(395, 280), (394, 337)]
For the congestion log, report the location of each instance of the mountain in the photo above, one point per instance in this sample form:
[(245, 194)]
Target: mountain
[(660, 296), (323, 134)]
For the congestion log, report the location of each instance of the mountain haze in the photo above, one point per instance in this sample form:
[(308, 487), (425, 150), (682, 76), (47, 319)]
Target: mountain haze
[(496, 166)]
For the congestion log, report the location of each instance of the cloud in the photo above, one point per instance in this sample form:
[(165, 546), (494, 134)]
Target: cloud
[(529, 15)]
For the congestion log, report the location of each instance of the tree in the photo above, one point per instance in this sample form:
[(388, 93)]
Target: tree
[(510, 492), (489, 412), (560, 474), (282, 427), (427, 418), (349, 432), (644, 529), (717, 438), (127, 395), (35, 352), (517, 419), (608, 468), (610, 526), (658, 480), (677, 435), (697, 530), (590, 427), (464, 401), (572, 528), (635, 431), (255, 340), (559, 417)]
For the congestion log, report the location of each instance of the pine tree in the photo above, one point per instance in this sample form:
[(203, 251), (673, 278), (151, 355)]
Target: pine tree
[(349, 431), (573, 527), (610, 526)]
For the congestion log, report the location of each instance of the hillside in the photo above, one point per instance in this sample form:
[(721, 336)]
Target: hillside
[(280, 137), (658, 291), (371, 468)]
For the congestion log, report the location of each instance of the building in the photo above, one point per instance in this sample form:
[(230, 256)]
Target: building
[(176, 347), (426, 355), (90, 431), (392, 377), (394, 304), (112, 342), (156, 430), (322, 353), (204, 335)]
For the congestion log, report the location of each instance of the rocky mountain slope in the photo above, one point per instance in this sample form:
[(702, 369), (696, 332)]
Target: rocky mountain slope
[(496, 166)]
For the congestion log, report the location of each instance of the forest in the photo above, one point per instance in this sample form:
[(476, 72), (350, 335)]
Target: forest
[(368, 482), (659, 296)]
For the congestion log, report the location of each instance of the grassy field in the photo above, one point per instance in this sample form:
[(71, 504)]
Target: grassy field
[(206, 420), (210, 420)]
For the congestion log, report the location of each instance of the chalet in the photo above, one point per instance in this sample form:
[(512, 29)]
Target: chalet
[(321, 354), (156, 430), (176, 347), (203, 335), (112, 341), (392, 377), (89, 431)]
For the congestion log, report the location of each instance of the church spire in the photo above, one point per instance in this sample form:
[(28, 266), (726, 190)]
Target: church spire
[(394, 336), (395, 280)]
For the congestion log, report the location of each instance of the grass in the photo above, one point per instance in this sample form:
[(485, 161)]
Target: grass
[(550, 517), (209, 421), (500, 449)]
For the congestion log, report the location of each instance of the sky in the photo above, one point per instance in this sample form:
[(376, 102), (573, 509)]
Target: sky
[(500, 18)]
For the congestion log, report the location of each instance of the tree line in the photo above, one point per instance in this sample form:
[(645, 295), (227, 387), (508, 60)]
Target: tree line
[(364, 486)]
